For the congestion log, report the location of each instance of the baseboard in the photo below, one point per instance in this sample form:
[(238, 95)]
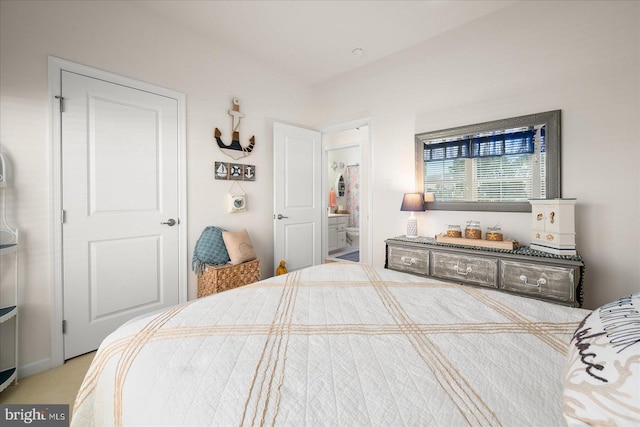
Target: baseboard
[(34, 368)]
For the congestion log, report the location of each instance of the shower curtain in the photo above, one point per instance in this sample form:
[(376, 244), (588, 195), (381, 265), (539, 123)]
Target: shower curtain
[(353, 195)]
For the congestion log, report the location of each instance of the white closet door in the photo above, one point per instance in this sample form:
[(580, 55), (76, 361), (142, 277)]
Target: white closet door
[(120, 183)]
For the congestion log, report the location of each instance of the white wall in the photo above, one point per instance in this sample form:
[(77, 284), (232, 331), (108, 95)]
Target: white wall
[(580, 57), (120, 38)]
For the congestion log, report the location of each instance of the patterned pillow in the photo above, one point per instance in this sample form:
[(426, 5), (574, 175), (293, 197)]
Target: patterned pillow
[(239, 246), (602, 382), (210, 249)]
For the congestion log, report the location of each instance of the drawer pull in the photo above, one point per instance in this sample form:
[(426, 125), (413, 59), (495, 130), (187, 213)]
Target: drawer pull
[(540, 281), (457, 269), (407, 260)]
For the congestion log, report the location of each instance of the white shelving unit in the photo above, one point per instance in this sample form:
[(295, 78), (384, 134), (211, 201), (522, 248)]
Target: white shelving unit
[(8, 309)]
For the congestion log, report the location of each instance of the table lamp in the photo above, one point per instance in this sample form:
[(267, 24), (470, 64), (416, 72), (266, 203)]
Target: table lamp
[(412, 202)]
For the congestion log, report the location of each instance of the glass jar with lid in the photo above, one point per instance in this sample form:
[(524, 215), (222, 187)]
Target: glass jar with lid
[(494, 233), (454, 230), (473, 231)]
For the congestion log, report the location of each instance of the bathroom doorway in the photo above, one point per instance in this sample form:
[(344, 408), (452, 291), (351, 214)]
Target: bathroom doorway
[(346, 183)]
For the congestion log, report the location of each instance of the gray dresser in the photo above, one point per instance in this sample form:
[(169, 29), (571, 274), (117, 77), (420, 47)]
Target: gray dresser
[(522, 271)]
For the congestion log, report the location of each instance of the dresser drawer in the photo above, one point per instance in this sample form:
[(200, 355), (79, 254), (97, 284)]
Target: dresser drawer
[(554, 239), (466, 269), (545, 281), (518, 271), (409, 260)]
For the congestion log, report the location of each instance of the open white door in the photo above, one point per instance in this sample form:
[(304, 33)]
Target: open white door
[(120, 195), (298, 210)]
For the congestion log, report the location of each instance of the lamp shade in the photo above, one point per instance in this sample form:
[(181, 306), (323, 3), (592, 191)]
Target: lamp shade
[(412, 202)]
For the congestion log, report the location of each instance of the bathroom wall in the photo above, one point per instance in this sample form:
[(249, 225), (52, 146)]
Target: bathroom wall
[(349, 155), (342, 157)]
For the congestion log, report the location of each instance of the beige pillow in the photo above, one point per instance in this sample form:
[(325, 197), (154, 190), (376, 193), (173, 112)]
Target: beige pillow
[(239, 246)]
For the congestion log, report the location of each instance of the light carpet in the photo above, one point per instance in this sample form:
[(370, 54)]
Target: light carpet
[(59, 385)]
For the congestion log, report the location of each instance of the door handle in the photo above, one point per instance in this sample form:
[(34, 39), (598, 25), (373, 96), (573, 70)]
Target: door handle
[(171, 222), (280, 216)]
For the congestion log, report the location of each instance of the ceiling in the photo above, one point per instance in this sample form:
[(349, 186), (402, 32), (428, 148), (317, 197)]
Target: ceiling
[(313, 40)]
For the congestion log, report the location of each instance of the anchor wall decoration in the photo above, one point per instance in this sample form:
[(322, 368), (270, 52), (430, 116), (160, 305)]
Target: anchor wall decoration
[(235, 149)]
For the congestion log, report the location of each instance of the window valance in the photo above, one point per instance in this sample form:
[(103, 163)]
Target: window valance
[(510, 142)]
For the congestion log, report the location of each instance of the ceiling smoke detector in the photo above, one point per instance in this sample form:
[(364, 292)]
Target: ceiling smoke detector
[(358, 51)]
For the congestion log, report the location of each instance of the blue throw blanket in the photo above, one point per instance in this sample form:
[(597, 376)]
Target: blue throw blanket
[(210, 249)]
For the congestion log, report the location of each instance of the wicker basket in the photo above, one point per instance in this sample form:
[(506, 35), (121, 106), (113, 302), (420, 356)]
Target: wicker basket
[(218, 278)]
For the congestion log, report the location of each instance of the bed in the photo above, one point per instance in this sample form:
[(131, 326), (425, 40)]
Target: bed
[(336, 344)]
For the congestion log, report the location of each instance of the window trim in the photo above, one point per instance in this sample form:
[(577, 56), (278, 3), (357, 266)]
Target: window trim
[(551, 119)]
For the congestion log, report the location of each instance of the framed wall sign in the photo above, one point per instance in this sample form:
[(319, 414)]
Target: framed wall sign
[(235, 171)]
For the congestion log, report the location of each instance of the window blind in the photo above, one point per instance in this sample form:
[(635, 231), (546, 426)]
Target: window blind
[(504, 144), (510, 142), (446, 179), (446, 150), (503, 178), (498, 166)]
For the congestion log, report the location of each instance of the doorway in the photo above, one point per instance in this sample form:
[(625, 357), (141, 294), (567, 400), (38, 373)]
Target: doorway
[(119, 197), (343, 225), (297, 216), (312, 201), (346, 185)]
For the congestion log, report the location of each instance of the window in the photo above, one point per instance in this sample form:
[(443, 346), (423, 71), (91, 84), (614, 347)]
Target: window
[(494, 166)]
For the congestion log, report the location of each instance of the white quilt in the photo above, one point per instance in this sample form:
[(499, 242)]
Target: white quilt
[(337, 344)]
